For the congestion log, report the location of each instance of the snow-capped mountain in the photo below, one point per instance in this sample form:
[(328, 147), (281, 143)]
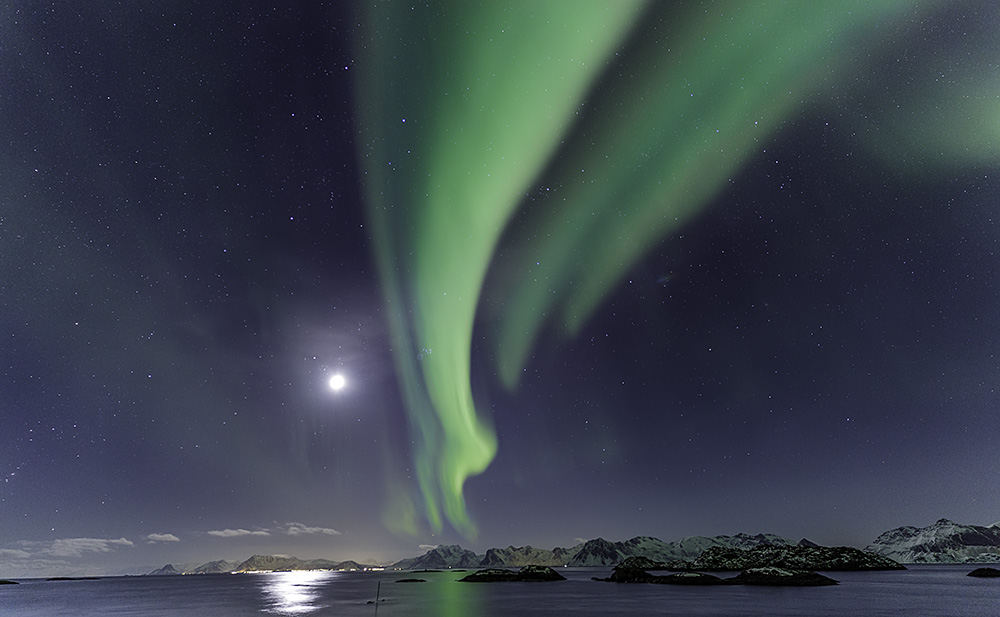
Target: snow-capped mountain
[(943, 542), (515, 556), (598, 552), (445, 556)]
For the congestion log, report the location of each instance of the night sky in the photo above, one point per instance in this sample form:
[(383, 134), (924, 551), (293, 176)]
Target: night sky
[(715, 268)]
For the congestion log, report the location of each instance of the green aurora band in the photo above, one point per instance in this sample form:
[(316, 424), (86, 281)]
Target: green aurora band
[(460, 108), (636, 113)]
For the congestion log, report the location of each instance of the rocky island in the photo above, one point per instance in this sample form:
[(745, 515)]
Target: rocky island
[(821, 558), (531, 574), (633, 570)]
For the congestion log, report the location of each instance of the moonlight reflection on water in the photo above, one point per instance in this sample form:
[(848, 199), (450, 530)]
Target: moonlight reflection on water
[(294, 593)]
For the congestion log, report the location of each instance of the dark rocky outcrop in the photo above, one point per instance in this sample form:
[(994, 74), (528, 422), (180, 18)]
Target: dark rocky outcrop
[(529, 573), (985, 573), (490, 575), (804, 556), (5, 582), (639, 562), (645, 563), (751, 576), (780, 577), (824, 558), (411, 580)]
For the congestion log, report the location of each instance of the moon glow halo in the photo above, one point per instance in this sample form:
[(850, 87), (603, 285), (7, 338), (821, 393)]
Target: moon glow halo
[(337, 382)]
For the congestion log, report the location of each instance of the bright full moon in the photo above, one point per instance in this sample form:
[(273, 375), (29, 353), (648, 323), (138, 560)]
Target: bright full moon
[(337, 382)]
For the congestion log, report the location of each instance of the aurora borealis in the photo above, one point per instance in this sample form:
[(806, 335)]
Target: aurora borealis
[(466, 107), (584, 269), (494, 104)]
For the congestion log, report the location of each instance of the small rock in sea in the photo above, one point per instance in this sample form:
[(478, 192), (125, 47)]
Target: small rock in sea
[(985, 573), (780, 577), (635, 575), (411, 580), (689, 578), (629, 575), (3, 582)]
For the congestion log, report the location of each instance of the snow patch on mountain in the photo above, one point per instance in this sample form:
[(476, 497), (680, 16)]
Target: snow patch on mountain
[(943, 542), (601, 552), (442, 557)]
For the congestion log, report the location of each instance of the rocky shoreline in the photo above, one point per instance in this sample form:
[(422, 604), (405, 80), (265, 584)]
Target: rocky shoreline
[(790, 566)]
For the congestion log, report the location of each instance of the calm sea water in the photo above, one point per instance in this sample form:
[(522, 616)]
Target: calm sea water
[(925, 591)]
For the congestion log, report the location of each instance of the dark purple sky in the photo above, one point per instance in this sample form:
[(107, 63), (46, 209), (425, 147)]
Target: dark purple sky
[(186, 260)]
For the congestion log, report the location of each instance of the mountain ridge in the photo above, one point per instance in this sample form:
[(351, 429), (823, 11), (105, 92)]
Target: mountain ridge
[(945, 541), (596, 552)]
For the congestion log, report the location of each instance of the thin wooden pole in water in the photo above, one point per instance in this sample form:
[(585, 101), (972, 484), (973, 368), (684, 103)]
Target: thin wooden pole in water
[(378, 589)]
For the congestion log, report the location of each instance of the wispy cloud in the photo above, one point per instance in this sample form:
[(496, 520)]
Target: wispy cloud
[(13, 553), (74, 547), (32, 567), (162, 537), (297, 529), (234, 533), (428, 547)]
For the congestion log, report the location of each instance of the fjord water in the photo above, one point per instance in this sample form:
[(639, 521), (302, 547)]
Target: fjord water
[(927, 591)]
